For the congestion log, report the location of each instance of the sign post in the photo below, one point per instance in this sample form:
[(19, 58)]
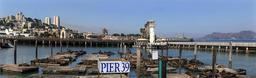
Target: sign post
[(154, 55), (162, 65)]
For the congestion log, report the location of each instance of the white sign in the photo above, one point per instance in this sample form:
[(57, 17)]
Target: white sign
[(154, 55), (114, 66)]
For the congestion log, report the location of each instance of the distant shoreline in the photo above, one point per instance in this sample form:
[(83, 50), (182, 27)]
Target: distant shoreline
[(226, 40)]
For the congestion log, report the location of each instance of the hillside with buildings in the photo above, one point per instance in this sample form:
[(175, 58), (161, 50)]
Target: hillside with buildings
[(238, 35), (21, 26)]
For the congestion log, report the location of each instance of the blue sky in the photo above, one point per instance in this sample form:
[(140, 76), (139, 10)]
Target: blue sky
[(192, 17)]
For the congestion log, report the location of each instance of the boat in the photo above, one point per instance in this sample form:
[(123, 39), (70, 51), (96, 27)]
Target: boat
[(7, 45)]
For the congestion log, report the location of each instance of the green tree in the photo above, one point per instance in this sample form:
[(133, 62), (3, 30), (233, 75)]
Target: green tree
[(122, 34), (115, 34), (104, 31)]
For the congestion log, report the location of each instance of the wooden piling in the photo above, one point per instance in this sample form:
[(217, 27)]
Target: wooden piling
[(49, 43), (230, 55), (247, 50), (15, 52), (180, 54), (55, 43), (90, 44), (67, 44), (60, 46), (219, 48), (195, 51), (226, 49), (213, 63), (51, 49), (36, 50), (237, 49), (85, 44), (138, 52), (96, 44), (107, 44), (1, 43), (43, 42), (79, 43)]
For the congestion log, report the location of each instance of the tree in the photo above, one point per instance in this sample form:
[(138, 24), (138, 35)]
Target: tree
[(122, 34), (105, 31), (133, 34), (9, 24), (1, 22), (29, 19), (115, 34)]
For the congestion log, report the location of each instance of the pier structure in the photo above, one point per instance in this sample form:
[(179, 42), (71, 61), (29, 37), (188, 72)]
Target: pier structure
[(69, 41), (245, 47)]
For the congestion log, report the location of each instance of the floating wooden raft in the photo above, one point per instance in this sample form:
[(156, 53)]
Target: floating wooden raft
[(60, 59), (18, 69), (64, 70)]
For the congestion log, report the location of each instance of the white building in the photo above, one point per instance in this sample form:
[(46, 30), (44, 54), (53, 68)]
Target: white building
[(29, 25), (66, 33), (8, 32), (63, 33), (20, 17), (148, 32), (47, 20), (56, 21)]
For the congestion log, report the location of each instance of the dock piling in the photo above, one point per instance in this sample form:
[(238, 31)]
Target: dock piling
[(55, 43), (138, 52), (36, 50), (15, 52), (195, 51), (67, 44), (49, 43), (90, 44), (60, 46), (247, 50), (51, 50), (219, 48), (237, 49), (43, 42), (85, 44), (180, 54), (213, 63), (230, 55), (226, 49)]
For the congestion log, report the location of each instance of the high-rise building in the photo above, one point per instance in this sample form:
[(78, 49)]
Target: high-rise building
[(56, 21), (47, 20), (20, 17)]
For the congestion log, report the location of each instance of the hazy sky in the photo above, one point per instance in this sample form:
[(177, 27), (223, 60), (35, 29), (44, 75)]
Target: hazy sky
[(192, 17)]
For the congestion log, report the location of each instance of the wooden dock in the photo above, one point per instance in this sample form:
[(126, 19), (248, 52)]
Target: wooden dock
[(68, 41)]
